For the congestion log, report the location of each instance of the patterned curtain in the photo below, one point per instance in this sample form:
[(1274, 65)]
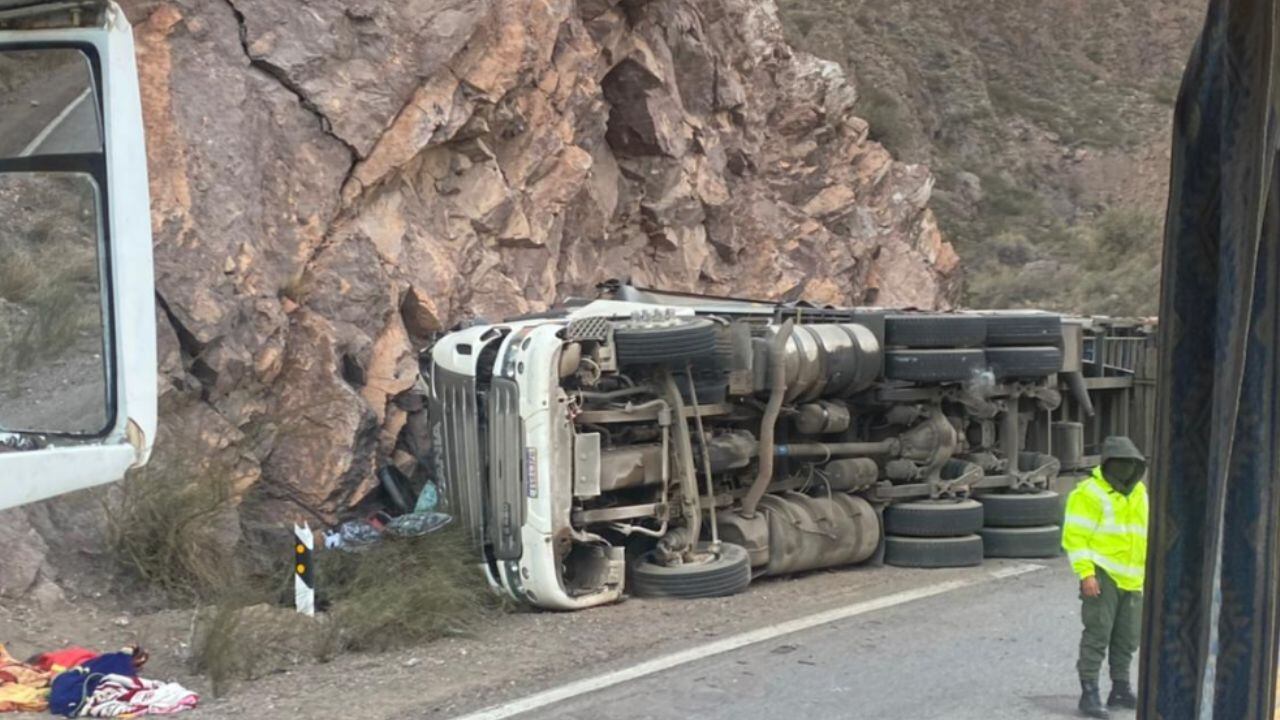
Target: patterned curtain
[(1210, 635)]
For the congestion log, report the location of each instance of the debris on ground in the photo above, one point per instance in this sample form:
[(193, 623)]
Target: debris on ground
[(23, 687), (359, 535), (109, 686), (77, 682)]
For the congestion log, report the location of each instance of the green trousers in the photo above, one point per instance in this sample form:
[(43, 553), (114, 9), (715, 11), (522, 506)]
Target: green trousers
[(1112, 628)]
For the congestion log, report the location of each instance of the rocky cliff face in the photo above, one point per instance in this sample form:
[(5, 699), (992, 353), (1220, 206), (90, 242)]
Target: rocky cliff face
[(333, 182)]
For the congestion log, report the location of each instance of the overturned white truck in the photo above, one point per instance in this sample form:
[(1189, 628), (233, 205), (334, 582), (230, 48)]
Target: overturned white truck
[(668, 444)]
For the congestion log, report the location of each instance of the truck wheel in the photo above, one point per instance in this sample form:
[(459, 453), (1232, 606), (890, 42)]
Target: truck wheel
[(672, 343), (1024, 362), (1015, 510), (933, 518), (727, 574), (962, 551), (933, 365), (1024, 329), (1022, 542), (928, 330)]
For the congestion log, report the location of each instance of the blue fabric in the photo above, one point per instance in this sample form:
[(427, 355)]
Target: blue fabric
[(72, 687)]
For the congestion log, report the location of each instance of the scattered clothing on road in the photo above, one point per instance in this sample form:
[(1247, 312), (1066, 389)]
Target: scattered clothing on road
[(59, 661), (23, 687), (108, 686), (121, 695)]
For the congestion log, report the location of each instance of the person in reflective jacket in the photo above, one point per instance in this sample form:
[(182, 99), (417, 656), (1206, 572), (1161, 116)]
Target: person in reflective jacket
[(1105, 536)]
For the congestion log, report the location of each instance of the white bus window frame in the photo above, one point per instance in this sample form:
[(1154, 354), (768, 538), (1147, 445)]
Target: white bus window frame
[(52, 465)]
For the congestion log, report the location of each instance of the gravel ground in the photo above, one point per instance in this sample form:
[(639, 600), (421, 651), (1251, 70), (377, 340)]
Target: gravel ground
[(518, 654)]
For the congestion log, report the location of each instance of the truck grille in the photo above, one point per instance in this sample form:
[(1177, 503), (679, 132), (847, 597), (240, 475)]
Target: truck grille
[(456, 436), (506, 486)]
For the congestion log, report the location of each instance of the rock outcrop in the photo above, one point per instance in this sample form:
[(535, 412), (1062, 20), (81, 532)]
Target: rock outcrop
[(335, 181)]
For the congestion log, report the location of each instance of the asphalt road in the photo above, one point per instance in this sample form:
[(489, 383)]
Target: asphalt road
[(1001, 648), (54, 114)]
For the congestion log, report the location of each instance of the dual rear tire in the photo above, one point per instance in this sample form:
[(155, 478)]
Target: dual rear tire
[(1022, 525), (937, 533), (933, 534)]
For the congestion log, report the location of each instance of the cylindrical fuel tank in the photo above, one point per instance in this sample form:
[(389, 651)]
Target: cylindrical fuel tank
[(861, 373), (826, 360), (808, 533)]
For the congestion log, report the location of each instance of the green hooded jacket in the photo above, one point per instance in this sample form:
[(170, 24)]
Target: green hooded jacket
[(1106, 520)]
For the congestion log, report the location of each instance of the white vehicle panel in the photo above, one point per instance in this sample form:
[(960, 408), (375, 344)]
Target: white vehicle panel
[(59, 464)]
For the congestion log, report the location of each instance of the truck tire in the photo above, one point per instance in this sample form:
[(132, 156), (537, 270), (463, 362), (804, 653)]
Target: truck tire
[(1016, 510), (1024, 362), (673, 343), (964, 551), (728, 574), (931, 366), (930, 330), (933, 518), (1024, 329), (1044, 541)]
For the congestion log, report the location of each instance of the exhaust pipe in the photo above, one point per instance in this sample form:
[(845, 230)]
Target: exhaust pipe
[(687, 469), (1075, 382), (778, 374)]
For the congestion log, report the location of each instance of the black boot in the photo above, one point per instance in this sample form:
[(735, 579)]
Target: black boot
[(1091, 701), (1122, 696)]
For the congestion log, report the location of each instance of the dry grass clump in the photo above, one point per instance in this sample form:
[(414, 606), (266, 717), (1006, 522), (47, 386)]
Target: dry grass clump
[(406, 591), (50, 292), (401, 592), (168, 526), (176, 529)]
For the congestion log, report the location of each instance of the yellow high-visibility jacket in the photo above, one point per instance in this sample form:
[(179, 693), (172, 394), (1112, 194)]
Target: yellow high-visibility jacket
[(1104, 528)]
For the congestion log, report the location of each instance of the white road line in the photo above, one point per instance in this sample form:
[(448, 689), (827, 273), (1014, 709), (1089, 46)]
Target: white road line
[(666, 662), (1015, 570), (53, 125)]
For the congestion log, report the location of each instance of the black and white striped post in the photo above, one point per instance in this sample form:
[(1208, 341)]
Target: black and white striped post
[(304, 575)]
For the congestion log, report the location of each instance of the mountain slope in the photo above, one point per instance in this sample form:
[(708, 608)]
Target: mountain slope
[(1046, 123)]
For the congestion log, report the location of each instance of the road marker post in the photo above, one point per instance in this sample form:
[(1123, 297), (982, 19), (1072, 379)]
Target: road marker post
[(304, 574)]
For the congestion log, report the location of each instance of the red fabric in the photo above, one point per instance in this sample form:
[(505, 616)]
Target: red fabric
[(60, 660)]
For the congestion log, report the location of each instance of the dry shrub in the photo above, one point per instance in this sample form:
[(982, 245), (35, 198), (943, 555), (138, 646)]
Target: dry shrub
[(887, 118), (176, 525), (399, 593), (216, 648), (165, 532), (245, 642), (405, 591), (19, 276), (178, 530)]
